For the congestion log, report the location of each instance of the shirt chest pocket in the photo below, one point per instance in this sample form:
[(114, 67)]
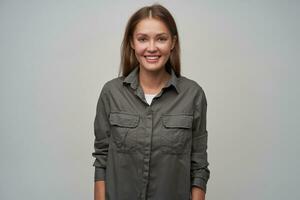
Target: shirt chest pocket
[(176, 134), (123, 130)]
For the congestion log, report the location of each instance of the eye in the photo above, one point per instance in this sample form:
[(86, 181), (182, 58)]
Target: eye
[(141, 39), (162, 39)]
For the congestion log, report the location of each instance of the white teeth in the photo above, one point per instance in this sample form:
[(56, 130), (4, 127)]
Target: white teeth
[(152, 57)]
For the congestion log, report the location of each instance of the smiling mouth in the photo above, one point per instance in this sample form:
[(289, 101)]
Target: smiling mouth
[(152, 58)]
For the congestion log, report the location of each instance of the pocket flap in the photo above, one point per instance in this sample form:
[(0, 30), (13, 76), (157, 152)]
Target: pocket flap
[(178, 121), (124, 119)]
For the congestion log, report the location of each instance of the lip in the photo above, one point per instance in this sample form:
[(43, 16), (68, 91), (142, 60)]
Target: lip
[(152, 60)]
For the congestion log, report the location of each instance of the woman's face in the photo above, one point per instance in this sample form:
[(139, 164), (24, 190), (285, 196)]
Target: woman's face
[(152, 43)]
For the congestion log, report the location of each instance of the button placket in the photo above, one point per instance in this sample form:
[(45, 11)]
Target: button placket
[(147, 150)]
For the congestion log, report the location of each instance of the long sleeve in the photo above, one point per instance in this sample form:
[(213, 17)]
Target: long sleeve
[(102, 133), (199, 164)]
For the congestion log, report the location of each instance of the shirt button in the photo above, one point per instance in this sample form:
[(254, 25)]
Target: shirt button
[(149, 112)]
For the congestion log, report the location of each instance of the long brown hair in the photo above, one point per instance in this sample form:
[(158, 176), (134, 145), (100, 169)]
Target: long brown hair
[(128, 58)]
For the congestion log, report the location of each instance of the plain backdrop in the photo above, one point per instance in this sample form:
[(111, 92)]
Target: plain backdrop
[(55, 57)]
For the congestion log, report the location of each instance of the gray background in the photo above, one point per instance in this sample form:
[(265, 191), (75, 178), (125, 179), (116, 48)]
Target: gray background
[(56, 56)]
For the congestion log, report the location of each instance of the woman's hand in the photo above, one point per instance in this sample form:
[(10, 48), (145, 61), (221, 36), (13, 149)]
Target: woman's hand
[(99, 190), (197, 194)]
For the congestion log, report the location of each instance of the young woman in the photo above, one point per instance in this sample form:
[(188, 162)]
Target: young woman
[(150, 125)]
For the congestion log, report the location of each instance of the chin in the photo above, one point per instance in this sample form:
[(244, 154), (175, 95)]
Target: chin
[(152, 67)]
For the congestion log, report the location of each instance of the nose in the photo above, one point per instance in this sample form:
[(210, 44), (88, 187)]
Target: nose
[(152, 46)]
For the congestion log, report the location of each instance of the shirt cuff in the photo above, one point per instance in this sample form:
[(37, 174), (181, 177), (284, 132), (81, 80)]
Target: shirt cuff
[(99, 174), (199, 182)]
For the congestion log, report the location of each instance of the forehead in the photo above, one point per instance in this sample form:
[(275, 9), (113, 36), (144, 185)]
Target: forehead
[(151, 26)]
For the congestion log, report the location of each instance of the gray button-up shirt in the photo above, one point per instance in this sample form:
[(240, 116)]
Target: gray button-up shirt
[(151, 152)]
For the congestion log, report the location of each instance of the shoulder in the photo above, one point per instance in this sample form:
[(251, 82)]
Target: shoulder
[(192, 89), (110, 85), (113, 84), (187, 84)]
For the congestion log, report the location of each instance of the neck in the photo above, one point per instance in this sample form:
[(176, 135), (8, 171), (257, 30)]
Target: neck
[(153, 81)]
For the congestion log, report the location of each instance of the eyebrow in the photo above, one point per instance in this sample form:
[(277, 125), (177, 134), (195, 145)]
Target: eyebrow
[(143, 34)]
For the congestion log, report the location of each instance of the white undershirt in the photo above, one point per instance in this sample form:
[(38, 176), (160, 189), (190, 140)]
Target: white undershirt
[(149, 97)]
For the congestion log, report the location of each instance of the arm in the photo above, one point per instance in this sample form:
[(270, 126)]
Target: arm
[(198, 194), (99, 190), (199, 164), (101, 144)]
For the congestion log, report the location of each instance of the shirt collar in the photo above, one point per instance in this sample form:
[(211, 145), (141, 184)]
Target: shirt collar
[(133, 80)]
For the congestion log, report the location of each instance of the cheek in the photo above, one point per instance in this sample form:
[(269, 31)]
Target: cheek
[(165, 49), (139, 50), (165, 52)]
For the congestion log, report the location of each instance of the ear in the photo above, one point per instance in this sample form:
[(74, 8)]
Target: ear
[(174, 42)]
